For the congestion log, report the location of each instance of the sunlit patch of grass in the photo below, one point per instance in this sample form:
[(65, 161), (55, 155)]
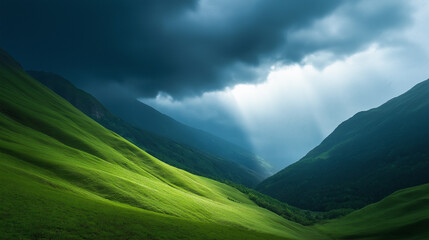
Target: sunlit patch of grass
[(64, 168)]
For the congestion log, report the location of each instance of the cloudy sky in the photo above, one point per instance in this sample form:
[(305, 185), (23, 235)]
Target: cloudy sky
[(274, 76)]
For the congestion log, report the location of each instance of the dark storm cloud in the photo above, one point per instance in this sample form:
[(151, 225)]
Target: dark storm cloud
[(180, 47), (351, 27)]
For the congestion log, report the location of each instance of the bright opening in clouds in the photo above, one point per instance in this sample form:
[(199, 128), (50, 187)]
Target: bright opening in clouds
[(299, 104)]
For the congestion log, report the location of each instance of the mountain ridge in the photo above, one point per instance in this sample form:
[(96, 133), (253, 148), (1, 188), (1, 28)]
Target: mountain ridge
[(367, 157), (171, 152)]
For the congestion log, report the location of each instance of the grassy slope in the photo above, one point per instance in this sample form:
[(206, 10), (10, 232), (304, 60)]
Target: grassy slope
[(366, 158), (402, 215), (31, 209), (64, 168), (171, 152)]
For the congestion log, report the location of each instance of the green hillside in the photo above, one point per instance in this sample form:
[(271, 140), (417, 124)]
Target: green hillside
[(65, 176), (166, 150), (366, 158), (402, 215)]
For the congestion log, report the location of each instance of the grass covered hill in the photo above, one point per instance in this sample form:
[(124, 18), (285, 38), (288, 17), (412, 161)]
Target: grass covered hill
[(366, 158), (64, 176), (166, 150), (402, 215)]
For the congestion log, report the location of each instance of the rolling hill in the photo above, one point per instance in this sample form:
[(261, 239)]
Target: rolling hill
[(65, 176), (366, 158), (166, 150)]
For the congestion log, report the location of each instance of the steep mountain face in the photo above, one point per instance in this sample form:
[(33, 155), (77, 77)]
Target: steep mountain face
[(64, 176), (171, 152), (367, 157), (147, 118)]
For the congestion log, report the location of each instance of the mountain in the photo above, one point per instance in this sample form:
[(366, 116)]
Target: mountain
[(171, 152), (64, 176), (149, 119), (366, 158)]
